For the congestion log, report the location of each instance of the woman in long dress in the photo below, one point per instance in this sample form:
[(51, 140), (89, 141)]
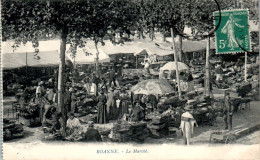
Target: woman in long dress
[(123, 107), (187, 125), (102, 111)]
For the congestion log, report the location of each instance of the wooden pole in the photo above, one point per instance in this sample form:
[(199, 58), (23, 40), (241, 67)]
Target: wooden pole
[(136, 61), (176, 63), (97, 67), (97, 59), (74, 62), (207, 75), (245, 67), (26, 69), (245, 72)]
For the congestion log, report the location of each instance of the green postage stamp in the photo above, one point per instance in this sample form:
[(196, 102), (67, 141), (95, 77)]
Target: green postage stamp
[(232, 34)]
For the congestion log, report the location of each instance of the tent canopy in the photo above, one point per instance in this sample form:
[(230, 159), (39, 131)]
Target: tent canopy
[(48, 55), (31, 59), (13, 60), (87, 56), (110, 48)]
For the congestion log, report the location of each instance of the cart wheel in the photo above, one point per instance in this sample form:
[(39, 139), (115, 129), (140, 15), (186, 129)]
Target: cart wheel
[(230, 139)]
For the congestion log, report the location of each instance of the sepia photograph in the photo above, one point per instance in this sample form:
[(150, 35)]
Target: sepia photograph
[(130, 79)]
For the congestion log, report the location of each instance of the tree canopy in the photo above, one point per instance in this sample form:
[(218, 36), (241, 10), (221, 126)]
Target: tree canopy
[(72, 21), (161, 15)]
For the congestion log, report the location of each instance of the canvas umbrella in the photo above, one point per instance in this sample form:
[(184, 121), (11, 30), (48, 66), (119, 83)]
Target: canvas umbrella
[(171, 66), (152, 86)]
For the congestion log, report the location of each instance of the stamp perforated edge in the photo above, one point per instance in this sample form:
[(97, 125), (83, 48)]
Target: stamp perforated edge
[(228, 10)]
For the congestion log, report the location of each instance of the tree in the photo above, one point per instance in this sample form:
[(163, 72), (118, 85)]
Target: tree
[(198, 15), (162, 16), (31, 20), (73, 22)]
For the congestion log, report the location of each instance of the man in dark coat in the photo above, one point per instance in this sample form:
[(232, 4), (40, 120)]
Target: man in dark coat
[(67, 99), (112, 77), (92, 134), (228, 111)]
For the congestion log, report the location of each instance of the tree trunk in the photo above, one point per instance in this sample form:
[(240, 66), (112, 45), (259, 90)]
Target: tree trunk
[(97, 60), (207, 75), (175, 59), (97, 66), (61, 107)]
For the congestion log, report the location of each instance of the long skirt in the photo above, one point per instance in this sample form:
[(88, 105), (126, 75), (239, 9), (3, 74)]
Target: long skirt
[(187, 132), (123, 109), (112, 110), (102, 114)]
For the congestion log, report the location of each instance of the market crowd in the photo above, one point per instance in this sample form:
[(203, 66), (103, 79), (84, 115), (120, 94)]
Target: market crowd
[(110, 100), (107, 97)]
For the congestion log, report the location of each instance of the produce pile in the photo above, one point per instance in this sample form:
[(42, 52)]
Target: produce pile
[(12, 89), (88, 117), (12, 130), (243, 89), (203, 110), (128, 79), (85, 104), (170, 101), (124, 131), (198, 76), (31, 114), (30, 111), (233, 74), (159, 124)]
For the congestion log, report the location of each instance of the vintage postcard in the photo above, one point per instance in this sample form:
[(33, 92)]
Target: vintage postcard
[(130, 79)]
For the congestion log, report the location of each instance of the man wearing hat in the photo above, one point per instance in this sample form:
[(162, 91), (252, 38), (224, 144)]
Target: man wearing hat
[(187, 124), (92, 134), (50, 94), (112, 77), (228, 111)]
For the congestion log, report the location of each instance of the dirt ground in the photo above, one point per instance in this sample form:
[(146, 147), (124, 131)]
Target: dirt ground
[(32, 145), (241, 119)]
